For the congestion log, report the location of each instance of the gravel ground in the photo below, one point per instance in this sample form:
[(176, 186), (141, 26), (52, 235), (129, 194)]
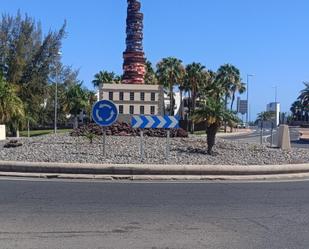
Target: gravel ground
[(122, 150)]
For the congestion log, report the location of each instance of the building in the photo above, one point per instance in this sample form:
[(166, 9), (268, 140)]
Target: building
[(274, 107), (132, 99)]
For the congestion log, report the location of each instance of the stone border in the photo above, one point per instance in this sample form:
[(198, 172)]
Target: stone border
[(151, 170)]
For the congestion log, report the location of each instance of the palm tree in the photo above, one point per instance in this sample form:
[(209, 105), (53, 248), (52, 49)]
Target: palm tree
[(76, 99), (194, 78), (229, 77), (170, 71), (264, 117), (92, 98), (238, 87), (214, 113), (212, 87), (105, 77), (296, 110), (12, 110), (304, 95), (150, 76), (304, 99)]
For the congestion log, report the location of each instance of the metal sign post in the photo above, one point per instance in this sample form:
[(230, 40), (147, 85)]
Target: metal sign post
[(142, 146), (155, 122), (168, 144), (104, 113), (261, 133), (104, 141), (272, 134)]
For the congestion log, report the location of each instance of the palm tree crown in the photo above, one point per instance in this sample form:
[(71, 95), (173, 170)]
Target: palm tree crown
[(76, 99), (265, 116), (105, 77), (304, 95), (194, 79), (229, 77), (169, 72)]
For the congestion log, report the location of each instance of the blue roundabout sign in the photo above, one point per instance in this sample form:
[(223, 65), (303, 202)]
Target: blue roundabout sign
[(104, 113)]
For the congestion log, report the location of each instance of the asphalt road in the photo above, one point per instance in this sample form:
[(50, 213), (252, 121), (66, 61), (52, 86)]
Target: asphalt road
[(255, 137), (63, 215)]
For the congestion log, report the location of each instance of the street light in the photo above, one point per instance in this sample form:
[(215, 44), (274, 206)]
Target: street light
[(56, 96), (247, 114)]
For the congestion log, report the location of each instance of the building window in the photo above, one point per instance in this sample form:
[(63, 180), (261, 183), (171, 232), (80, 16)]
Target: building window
[(121, 96), (142, 109), (142, 96), (131, 96), (121, 109), (152, 110), (153, 97), (131, 109), (110, 95)]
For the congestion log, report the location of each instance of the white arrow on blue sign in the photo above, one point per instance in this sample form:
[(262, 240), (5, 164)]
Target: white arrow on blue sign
[(155, 122), (104, 113)]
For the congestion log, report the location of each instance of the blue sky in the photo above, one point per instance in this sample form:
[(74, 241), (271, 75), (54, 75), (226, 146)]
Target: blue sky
[(267, 38)]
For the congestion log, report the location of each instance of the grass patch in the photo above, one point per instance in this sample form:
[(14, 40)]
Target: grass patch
[(199, 133), (36, 133)]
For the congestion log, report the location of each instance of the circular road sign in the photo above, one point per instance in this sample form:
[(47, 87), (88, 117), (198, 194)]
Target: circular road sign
[(104, 113)]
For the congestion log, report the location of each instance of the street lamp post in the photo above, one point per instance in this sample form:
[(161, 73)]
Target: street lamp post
[(56, 106), (56, 97), (247, 114)]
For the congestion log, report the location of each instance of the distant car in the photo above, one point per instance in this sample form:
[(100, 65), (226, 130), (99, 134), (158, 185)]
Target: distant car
[(242, 126)]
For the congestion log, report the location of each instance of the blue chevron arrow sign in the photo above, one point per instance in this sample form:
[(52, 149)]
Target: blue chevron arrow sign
[(155, 122)]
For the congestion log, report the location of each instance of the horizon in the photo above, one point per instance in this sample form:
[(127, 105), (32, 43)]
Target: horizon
[(268, 42)]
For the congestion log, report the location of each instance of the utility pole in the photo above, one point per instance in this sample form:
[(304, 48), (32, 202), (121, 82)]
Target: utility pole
[(247, 114)]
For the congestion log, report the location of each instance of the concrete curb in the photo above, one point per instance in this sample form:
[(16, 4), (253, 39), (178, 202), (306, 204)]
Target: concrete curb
[(151, 169), (284, 177)]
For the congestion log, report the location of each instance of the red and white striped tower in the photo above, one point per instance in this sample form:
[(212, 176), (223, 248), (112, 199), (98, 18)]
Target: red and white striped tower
[(134, 59)]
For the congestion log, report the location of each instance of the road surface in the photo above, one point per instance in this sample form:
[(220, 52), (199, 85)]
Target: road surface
[(79, 215), (255, 137)]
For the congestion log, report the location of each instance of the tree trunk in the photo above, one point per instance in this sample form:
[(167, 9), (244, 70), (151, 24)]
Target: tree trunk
[(211, 137), (171, 101), (75, 124), (181, 106), (225, 103), (28, 127), (193, 109), (189, 102), (232, 102)]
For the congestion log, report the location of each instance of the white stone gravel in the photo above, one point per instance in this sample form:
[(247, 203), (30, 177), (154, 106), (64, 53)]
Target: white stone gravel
[(125, 150)]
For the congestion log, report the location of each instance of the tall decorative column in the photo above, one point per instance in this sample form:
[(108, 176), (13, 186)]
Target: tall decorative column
[(134, 60)]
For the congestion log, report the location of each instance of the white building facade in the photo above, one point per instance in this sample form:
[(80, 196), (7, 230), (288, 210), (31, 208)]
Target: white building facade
[(134, 99), (274, 107)]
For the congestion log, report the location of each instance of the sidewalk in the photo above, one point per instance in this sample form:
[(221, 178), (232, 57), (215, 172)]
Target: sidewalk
[(152, 172), (235, 133), (228, 133)]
